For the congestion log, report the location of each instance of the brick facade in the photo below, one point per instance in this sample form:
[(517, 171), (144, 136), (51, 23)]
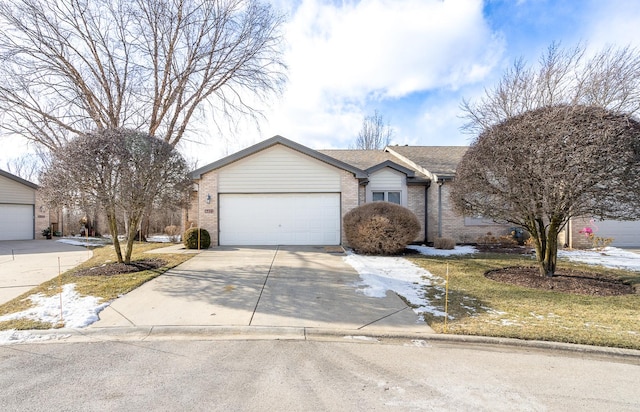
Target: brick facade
[(349, 198), (415, 203), (452, 224)]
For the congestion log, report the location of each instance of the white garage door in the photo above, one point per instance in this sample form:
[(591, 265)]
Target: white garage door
[(16, 222), (624, 234), (280, 219)]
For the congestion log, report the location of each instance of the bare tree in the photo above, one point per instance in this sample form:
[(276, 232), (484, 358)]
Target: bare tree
[(609, 79), (539, 169), (375, 134), (26, 166), (150, 65), (121, 171)]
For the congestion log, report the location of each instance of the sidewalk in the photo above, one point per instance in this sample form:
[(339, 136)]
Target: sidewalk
[(25, 264)]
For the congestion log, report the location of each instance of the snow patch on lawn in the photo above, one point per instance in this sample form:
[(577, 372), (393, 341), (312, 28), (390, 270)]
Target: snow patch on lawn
[(431, 251), (611, 257), (85, 241), (380, 274), (77, 312)]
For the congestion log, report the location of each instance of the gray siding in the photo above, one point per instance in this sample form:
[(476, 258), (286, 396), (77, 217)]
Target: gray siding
[(278, 170), (386, 180)]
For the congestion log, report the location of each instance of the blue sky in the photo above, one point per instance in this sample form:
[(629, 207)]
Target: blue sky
[(412, 60)]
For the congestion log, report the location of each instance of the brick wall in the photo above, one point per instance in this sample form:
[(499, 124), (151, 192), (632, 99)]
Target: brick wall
[(453, 224), (349, 198), (415, 203), (576, 239), (42, 216), (208, 212)]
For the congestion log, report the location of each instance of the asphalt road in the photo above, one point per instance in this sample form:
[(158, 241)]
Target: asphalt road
[(348, 375)]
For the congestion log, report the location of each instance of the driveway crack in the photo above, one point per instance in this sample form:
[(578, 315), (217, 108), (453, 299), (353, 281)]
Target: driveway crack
[(264, 285)]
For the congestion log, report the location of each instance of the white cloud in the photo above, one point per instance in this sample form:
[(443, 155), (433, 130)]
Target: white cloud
[(387, 48), (614, 22), (345, 56)]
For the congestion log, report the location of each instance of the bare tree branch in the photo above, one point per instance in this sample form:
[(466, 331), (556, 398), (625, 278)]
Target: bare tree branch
[(375, 134), (543, 167), (68, 67), (118, 170), (609, 79)]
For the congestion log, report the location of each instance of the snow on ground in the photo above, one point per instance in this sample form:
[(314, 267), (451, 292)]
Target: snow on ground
[(77, 312), (431, 251), (611, 257), (163, 239), (84, 241), (380, 274)]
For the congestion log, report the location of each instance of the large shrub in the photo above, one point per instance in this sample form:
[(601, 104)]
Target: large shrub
[(190, 239), (380, 228)]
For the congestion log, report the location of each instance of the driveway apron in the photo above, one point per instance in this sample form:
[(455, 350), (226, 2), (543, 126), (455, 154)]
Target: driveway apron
[(25, 264), (300, 286)]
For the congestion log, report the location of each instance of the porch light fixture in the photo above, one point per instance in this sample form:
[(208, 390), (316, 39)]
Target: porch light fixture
[(208, 198)]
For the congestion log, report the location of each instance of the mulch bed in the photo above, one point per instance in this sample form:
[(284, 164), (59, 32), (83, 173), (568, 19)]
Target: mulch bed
[(110, 269), (566, 280)]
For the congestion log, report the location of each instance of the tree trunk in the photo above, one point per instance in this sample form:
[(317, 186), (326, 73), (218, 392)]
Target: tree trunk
[(113, 228), (131, 238), (547, 261)]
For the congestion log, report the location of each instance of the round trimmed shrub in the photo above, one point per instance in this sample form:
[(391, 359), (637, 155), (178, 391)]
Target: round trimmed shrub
[(380, 228), (190, 238)]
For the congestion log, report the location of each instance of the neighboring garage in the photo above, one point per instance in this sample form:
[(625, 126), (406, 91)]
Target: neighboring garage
[(17, 207), (624, 234)]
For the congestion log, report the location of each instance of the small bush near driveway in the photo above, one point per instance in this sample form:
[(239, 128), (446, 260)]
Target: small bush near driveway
[(191, 240), (480, 306), (380, 228)]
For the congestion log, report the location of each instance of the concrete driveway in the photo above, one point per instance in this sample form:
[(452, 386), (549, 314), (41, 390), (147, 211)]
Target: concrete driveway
[(25, 264), (264, 287)]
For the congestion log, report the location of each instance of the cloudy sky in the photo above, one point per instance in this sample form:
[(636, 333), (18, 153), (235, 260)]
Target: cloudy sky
[(412, 60)]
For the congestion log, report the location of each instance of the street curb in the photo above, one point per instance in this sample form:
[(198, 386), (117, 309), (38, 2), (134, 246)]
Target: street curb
[(159, 333)]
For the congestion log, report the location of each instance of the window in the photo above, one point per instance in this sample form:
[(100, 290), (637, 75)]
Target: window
[(391, 197)]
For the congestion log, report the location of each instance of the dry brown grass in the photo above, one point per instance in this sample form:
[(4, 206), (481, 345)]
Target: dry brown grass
[(480, 306)]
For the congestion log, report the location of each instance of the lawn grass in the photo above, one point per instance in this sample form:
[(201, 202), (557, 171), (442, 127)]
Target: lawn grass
[(104, 287), (479, 306)]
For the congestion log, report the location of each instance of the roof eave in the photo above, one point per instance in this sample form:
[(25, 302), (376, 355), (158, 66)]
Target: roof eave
[(197, 174)]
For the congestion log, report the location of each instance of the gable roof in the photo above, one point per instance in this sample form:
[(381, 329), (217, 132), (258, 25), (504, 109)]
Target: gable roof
[(439, 160), (18, 179), (372, 160), (359, 173)]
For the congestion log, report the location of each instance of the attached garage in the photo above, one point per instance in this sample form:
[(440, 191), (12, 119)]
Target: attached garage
[(16, 222), (17, 207), (624, 234), (277, 192), (280, 219)]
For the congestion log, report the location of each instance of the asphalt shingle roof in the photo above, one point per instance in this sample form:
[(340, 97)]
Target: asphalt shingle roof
[(441, 160), (364, 159)]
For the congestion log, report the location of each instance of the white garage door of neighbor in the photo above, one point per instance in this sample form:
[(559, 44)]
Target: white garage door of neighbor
[(16, 222), (280, 219), (624, 234)]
